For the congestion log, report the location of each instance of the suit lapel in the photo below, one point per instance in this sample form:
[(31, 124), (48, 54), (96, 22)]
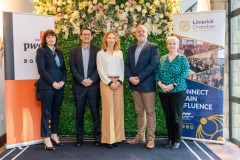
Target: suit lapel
[(49, 51), (133, 54), (80, 58), (91, 55)]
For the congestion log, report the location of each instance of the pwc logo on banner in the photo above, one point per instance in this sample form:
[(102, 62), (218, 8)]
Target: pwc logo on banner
[(32, 46)]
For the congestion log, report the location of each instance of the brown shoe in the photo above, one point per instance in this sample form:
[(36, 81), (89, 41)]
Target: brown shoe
[(135, 140), (150, 144)]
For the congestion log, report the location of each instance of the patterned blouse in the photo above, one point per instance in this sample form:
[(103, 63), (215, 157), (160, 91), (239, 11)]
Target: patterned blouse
[(173, 72)]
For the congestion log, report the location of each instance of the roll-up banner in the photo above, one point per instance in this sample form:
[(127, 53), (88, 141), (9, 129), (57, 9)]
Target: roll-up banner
[(202, 40), (22, 36)]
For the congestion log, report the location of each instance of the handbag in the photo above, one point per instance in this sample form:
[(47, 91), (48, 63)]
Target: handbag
[(36, 84)]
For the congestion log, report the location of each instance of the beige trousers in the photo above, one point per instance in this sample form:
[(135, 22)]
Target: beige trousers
[(145, 108), (112, 114)]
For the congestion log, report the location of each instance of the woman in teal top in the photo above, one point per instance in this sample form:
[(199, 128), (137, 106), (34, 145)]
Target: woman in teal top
[(171, 77)]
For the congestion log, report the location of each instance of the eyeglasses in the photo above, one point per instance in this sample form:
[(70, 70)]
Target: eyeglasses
[(86, 34)]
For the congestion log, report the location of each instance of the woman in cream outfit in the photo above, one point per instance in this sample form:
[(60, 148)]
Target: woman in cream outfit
[(110, 66)]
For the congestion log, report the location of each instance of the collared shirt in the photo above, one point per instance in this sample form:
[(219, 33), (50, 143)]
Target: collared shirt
[(85, 56), (138, 51), (57, 60), (110, 65)]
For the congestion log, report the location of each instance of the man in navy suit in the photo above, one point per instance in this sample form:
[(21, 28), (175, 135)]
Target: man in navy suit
[(141, 62), (85, 85)]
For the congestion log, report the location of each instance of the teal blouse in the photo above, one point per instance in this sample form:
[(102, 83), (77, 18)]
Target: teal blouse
[(173, 72)]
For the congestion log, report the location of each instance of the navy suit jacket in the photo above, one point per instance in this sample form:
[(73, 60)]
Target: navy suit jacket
[(47, 68), (76, 66), (145, 68)]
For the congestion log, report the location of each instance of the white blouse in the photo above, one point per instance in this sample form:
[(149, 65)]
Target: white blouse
[(110, 65)]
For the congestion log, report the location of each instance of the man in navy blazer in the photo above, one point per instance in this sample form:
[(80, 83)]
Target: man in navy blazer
[(85, 85), (141, 62)]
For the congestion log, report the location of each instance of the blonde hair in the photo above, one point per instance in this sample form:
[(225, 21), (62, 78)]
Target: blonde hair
[(173, 38), (117, 39)]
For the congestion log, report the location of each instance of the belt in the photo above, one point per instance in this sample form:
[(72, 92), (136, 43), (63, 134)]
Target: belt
[(113, 76)]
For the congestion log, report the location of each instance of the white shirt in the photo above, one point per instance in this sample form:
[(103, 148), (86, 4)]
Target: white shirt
[(110, 65)]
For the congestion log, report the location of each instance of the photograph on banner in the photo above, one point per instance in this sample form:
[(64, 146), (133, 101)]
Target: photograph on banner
[(212, 78), (190, 47)]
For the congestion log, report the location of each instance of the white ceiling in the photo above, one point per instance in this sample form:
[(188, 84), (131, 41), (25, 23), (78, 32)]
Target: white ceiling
[(186, 4)]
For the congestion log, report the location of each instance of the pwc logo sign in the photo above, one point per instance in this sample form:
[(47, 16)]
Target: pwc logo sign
[(33, 46)]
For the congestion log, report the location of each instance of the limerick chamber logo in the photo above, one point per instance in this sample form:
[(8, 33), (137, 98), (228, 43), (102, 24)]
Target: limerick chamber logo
[(184, 26)]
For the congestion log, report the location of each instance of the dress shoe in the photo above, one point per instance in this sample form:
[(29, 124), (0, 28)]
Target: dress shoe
[(135, 140), (168, 145), (97, 142), (175, 146), (109, 146), (150, 144), (58, 144), (79, 142), (115, 144), (48, 148)]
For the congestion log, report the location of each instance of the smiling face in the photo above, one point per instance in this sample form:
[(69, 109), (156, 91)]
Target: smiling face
[(111, 40), (141, 34), (86, 36), (172, 45), (51, 40)]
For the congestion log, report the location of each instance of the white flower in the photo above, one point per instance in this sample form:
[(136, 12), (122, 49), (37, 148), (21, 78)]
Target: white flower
[(59, 3), (70, 2), (139, 8), (122, 6), (126, 9), (65, 16), (59, 9), (84, 16), (117, 7), (148, 4), (127, 4), (131, 9), (161, 16), (94, 1), (144, 11), (113, 2)]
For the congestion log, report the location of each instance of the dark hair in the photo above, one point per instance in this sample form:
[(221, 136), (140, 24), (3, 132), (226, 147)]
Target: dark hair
[(47, 33), (85, 29)]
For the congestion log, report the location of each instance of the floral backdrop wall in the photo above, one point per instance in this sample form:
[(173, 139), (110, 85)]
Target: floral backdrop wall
[(100, 16)]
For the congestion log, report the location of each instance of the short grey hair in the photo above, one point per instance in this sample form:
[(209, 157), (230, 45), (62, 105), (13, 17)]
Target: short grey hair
[(173, 38)]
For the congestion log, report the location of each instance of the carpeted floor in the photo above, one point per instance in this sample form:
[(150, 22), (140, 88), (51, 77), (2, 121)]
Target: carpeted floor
[(189, 150)]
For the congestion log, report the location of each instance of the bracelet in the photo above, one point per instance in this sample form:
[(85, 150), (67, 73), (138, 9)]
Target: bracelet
[(119, 81), (110, 83), (174, 85)]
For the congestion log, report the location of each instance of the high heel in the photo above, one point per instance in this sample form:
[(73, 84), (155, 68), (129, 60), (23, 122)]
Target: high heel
[(48, 148), (58, 144)]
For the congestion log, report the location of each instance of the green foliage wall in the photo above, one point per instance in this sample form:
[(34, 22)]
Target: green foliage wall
[(67, 117), (68, 114)]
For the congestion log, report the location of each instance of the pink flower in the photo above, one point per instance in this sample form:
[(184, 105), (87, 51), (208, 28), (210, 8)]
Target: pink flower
[(100, 6)]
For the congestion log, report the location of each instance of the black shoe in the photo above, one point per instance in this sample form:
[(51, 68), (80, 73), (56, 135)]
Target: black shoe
[(49, 148), (109, 146), (97, 142), (168, 145), (115, 144), (175, 146), (58, 144), (79, 142)]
